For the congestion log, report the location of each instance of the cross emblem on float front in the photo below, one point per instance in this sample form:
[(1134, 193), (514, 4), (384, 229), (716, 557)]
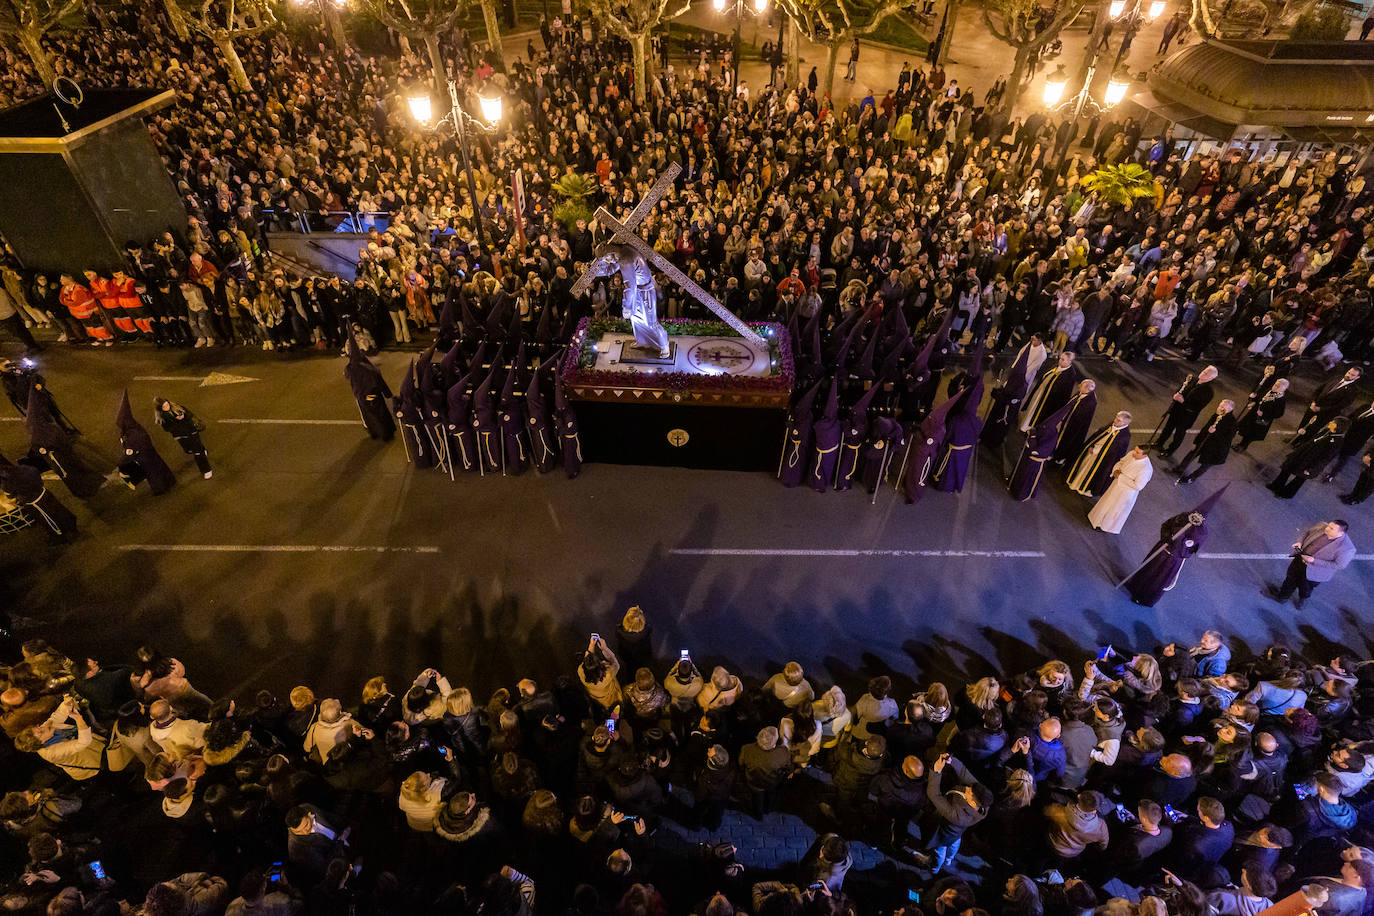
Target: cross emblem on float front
[(626, 233)]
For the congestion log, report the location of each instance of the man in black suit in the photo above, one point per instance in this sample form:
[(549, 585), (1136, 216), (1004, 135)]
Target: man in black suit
[(1361, 429), (1188, 402), (1211, 445), (1331, 399)]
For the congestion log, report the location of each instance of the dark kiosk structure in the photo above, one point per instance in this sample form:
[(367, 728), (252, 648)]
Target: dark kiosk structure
[(79, 181)]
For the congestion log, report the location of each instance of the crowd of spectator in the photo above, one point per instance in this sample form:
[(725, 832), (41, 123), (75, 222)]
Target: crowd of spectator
[(1184, 782), (786, 203)]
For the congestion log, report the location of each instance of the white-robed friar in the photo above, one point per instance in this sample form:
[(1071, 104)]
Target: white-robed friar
[(1128, 478)]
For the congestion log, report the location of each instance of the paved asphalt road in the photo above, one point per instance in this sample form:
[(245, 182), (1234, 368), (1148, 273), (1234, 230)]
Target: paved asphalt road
[(492, 579)]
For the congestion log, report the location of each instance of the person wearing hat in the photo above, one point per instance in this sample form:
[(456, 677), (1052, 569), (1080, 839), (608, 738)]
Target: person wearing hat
[(765, 763)]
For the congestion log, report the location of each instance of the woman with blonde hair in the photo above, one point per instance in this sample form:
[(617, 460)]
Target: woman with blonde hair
[(832, 714), (979, 696), (421, 800)]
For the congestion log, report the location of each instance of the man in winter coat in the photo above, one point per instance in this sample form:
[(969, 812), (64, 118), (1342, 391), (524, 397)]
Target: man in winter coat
[(1072, 827)]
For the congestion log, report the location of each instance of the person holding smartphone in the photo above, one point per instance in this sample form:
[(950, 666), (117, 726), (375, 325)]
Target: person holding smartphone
[(598, 674)]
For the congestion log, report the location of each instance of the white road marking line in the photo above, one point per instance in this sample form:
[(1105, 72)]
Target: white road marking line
[(169, 378), (785, 552), (270, 548), (1266, 556), (11, 419), (271, 422)]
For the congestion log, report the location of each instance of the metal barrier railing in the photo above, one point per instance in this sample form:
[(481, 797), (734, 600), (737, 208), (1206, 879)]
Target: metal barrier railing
[(315, 221)]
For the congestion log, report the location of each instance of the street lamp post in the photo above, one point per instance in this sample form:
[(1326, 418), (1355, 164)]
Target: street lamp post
[(1057, 82), (422, 110), (760, 7)]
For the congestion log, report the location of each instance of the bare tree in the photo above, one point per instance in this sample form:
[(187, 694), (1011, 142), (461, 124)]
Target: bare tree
[(424, 21), (177, 17), (224, 21), (835, 23), (1022, 24), (28, 21), (635, 21)]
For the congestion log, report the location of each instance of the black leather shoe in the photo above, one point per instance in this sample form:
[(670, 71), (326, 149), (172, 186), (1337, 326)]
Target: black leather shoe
[(1274, 592)]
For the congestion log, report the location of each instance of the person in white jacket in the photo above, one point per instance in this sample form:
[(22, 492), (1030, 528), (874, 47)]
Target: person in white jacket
[(331, 730), (66, 741), (1129, 477)]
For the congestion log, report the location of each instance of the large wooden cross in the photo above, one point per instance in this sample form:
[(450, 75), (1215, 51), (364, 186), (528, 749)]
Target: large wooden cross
[(626, 234)]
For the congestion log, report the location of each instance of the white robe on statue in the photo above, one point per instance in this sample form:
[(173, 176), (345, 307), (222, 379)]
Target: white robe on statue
[(1112, 509)]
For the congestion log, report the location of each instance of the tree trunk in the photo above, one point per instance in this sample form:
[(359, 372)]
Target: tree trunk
[(177, 18), (237, 74), (498, 56), (639, 44), (32, 40), (436, 63), (333, 25), (1015, 82), (832, 56), (793, 77)]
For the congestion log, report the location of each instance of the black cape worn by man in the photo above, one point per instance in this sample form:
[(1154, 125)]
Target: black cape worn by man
[(1091, 472)]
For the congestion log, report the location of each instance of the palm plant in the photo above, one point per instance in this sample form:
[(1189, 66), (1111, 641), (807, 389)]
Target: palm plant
[(571, 192), (1120, 185)]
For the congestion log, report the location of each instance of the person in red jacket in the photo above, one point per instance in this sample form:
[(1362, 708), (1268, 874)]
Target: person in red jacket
[(130, 305), (82, 304), (107, 295)]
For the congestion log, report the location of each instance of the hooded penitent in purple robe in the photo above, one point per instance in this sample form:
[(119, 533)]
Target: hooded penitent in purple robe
[(797, 449), (924, 448), (140, 460), (541, 427), (854, 434), (410, 418), (961, 437), (922, 380), (371, 392), (485, 422), (462, 438), (433, 407), (567, 432), (884, 445), (24, 484), (1035, 455), (49, 442), (825, 442), (1180, 537), (516, 447)]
